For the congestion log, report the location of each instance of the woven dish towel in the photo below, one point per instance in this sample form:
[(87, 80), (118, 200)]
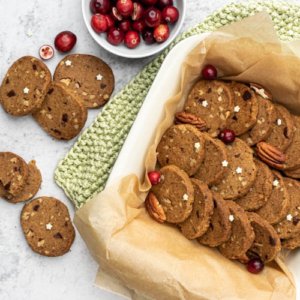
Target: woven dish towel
[(86, 168)]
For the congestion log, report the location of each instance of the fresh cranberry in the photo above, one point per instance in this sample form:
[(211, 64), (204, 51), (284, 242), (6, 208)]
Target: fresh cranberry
[(125, 25), (132, 39), (139, 25), (65, 41), (255, 265), (138, 11), (154, 177), (100, 6), (148, 36), (125, 7), (163, 3), (149, 2), (99, 23), (110, 21), (152, 17), (227, 136), (170, 14), (209, 72), (116, 14), (46, 52), (115, 36), (161, 33)]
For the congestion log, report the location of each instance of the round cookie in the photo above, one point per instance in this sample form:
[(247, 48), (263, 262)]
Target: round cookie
[(265, 118), (13, 174), (212, 102), (278, 204), (47, 226), (241, 172), (245, 108), (212, 169), (89, 77), (182, 145), (62, 115), (220, 226), (293, 173), (283, 129), (32, 185), (242, 234), (289, 227), (266, 244), (292, 243), (24, 86), (175, 194), (198, 222), (261, 190)]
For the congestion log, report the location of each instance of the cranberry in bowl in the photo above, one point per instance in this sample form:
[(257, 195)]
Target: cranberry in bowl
[(143, 19)]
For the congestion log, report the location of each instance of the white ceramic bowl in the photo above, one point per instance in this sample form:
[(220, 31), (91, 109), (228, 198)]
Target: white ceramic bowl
[(142, 50)]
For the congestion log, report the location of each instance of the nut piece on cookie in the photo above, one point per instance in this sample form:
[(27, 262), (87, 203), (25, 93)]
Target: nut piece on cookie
[(187, 118)]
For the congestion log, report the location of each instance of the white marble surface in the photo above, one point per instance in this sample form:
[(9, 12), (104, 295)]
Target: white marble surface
[(23, 274)]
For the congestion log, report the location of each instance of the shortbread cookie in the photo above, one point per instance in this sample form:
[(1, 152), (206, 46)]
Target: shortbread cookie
[(211, 101), (220, 226), (214, 165), (32, 185), (242, 234), (293, 173), (47, 226), (266, 244), (241, 171), (24, 86), (278, 204), (89, 77), (182, 145), (245, 109), (198, 222), (261, 190), (292, 243), (289, 227), (175, 194), (13, 174), (62, 115), (265, 119), (283, 129)]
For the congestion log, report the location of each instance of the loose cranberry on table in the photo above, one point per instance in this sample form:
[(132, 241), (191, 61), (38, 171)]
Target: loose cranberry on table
[(99, 23), (255, 265), (125, 7), (65, 41), (161, 33), (46, 52), (115, 36), (152, 17), (227, 136), (170, 14), (132, 39), (154, 177), (100, 6), (209, 72)]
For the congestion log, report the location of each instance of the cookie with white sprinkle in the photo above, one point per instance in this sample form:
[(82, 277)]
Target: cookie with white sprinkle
[(175, 194), (212, 102), (241, 172), (62, 114), (88, 77), (24, 86), (182, 145), (47, 226)]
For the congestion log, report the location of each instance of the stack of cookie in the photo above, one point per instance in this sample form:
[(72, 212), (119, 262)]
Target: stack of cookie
[(60, 107), (239, 195)]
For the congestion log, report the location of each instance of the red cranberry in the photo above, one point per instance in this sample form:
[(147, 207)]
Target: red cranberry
[(148, 36), (161, 33), (163, 3), (65, 41), (46, 52), (115, 13), (115, 36), (139, 25), (132, 39), (125, 25), (255, 265), (149, 2), (152, 17), (170, 14), (227, 136), (125, 7), (99, 23), (100, 6), (138, 11), (110, 21), (209, 72), (154, 177)]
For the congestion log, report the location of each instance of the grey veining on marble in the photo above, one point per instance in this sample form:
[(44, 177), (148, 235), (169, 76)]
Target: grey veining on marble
[(24, 26)]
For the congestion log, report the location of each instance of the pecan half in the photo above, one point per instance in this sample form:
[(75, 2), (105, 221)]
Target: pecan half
[(154, 208), (188, 118), (270, 155), (261, 91)]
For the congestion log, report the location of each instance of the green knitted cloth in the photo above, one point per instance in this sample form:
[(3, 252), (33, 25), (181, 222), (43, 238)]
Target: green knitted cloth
[(86, 168)]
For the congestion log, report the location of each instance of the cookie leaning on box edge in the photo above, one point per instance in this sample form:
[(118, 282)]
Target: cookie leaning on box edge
[(212, 170), (198, 221), (212, 102), (242, 234), (89, 77), (47, 226), (24, 86), (182, 145), (175, 194), (62, 115)]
